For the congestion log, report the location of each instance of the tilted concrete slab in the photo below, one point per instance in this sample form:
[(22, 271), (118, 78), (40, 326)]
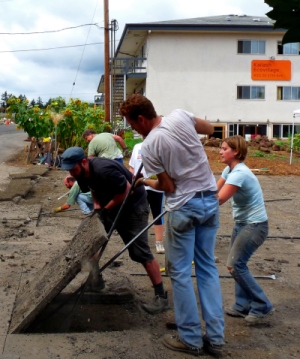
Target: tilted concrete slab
[(35, 295), (16, 188), (31, 172)]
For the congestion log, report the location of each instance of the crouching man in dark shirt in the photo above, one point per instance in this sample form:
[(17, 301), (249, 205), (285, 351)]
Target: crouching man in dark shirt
[(109, 183)]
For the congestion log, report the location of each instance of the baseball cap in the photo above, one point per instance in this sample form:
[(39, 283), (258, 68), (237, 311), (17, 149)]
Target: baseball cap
[(71, 156)]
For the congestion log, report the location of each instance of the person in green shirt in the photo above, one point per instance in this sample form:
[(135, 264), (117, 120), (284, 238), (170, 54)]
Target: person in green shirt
[(105, 145), (84, 200)]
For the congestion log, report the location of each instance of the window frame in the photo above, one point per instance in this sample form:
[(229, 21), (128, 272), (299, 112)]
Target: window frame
[(241, 42), (251, 91), (281, 93), (282, 48)]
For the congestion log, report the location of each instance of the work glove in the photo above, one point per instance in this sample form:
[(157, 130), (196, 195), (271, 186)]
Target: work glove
[(56, 210), (126, 152)]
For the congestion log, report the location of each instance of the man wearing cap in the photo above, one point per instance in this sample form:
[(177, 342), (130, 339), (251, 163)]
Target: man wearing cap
[(109, 182)]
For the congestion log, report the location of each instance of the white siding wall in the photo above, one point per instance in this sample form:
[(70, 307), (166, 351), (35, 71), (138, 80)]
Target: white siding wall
[(200, 73)]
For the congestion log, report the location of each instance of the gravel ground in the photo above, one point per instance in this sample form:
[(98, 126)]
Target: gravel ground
[(123, 330)]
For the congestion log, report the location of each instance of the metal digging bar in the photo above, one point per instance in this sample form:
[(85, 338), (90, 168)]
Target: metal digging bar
[(130, 242)]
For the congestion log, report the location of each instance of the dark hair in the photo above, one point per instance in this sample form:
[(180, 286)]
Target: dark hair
[(239, 144), (88, 132), (137, 105)]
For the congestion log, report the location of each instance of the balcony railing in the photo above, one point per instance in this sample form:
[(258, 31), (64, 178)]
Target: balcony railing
[(127, 65)]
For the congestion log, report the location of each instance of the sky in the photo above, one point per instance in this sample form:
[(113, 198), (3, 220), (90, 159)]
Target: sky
[(65, 54)]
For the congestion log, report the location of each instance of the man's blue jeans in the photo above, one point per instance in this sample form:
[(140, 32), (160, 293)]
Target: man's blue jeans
[(85, 203), (245, 240), (191, 235)]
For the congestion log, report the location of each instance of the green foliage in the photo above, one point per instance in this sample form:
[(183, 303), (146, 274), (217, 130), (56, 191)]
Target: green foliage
[(280, 143), (258, 154), (66, 122), (131, 142), (296, 141), (286, 14)]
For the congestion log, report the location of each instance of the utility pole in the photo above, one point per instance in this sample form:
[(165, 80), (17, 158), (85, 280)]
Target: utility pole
[(106, 63)]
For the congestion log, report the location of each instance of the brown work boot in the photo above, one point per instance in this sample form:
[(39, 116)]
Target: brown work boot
[(175, 343)]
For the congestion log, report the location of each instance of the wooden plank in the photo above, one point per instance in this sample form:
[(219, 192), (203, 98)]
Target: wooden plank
[(57, 274)]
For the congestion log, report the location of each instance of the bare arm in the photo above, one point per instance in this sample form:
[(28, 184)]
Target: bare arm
[(163, 183), (220, 183), (118, 198), (203, 127), (226, 192), (131, 169), (120, 140)]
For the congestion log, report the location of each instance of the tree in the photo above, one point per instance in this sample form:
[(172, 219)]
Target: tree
[(286, 14), (39, 102), (4, 97)]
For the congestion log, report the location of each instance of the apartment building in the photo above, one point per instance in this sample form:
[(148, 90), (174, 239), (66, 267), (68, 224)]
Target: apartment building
[(231, 70)]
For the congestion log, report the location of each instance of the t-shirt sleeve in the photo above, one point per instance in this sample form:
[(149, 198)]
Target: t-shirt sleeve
[(152, 162), (236, 178), (93, 148), (115, 178), (225, 173), (74, 191)]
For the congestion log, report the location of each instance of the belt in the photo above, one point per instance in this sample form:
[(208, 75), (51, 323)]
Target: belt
[(205, 193)]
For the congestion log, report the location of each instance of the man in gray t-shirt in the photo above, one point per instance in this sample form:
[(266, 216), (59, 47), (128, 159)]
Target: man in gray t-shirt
[(173, 152)]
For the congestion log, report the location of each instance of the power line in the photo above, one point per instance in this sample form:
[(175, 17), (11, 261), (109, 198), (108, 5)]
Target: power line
[(48, 31), (53, 48), (83, 52)]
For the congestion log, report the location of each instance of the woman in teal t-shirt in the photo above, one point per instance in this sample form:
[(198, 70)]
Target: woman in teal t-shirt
[(241, 186)]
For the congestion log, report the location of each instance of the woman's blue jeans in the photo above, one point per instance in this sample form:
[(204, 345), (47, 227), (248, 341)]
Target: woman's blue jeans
[(191, 236), (245, 240), (85, 203)]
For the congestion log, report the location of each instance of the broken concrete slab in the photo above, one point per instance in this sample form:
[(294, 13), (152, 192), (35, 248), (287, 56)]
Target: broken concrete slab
[(31, 172), (19, 187), (36, 294)]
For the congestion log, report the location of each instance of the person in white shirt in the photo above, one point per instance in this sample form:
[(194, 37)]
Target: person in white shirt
[(155, 198)]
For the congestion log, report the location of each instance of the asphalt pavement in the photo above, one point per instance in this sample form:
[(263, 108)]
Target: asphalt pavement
[(11, 141)]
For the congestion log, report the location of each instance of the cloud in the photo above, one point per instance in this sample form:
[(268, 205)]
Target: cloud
[(51, 73)]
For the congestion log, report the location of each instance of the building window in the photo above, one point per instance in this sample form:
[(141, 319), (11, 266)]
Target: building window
[(288, 49), (285, 131), (288, 93), (250, 92), (233, 130), (251, 47)]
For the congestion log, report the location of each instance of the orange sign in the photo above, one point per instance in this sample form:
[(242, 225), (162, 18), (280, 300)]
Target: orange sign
[(272, 70)]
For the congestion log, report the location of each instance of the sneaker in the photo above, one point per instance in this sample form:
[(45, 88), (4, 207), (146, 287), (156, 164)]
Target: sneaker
[(160, 249), (213, 349), (95, 285), (175, 343), (159, 305), (235, 313), (256, 319)]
